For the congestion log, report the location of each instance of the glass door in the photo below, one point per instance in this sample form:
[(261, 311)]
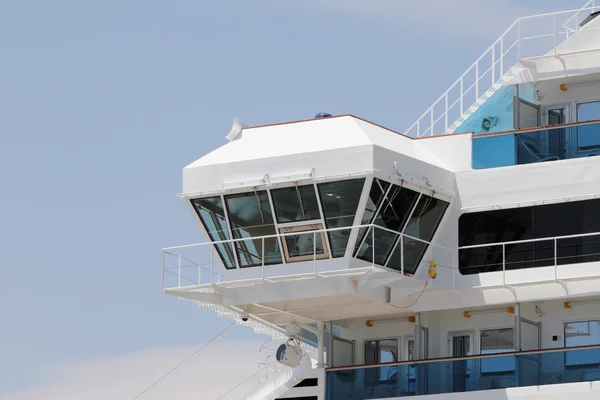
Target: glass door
[(586, 139), (529, 366), (554, 141), (462, 344)]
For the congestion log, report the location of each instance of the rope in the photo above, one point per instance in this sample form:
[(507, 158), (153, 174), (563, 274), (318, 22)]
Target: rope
[(184, 362), (238, 385)]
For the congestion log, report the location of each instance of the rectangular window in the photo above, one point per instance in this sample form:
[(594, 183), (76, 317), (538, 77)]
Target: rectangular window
[(547, 221), (210, 211), (494, 341), (422, 224), (304, 246), (588, 136), (250, 216), (339, 201), (392, 215), (376, 194), (584, 333), (293, 204)]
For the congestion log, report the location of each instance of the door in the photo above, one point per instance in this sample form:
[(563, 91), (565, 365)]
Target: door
[(529, 366), (529, 146), (554, 141), (461, 346)]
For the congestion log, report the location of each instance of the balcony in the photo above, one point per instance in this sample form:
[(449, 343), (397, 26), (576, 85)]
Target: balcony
[(527, 146), (465, 374)]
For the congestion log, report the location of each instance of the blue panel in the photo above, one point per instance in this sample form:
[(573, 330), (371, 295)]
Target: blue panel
[(494, 151), (499, 108), (466, 375)]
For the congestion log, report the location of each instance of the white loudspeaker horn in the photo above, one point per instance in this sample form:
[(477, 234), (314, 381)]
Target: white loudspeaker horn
[(236, 130)]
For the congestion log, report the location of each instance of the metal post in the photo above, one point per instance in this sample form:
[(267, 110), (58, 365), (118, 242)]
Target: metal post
[(446, 114), (163, 269), (402, 254), (554, 31), (517, 327), (501, 56), (519, 41), (503, 264), (477, 80), (431, 122), (330, 344), (417, 349), (263, 258), (320, 339), (493, 65), (373, 244), (555, 260), (199, 274), (315, 253), (462, 90), (212, 273), (178, 271)]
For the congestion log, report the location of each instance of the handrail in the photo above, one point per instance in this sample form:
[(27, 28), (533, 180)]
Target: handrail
[(537, 128), (473, 357), (498, 78), (530, 240)]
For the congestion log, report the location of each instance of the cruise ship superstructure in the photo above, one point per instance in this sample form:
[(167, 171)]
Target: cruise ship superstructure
[(458, 259)]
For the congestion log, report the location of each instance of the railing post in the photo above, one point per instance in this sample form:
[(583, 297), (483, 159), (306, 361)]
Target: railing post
[(554, 32), (212, 273), (477, 81), (519, 41), (446, 114), (373, 244), (493, 65), (163, 269), (419, 128), (199, 274), (462, 93), (555, 260), (402, 254), (501, 56), (263, 258), (315, 253), (178, 271), (503, 264), (431, 122)]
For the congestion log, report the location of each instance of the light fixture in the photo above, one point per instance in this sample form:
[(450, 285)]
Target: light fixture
[(468, 314), (370, 323), (571, 304)]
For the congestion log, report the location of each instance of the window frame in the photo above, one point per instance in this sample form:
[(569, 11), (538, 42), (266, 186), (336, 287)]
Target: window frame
[(480, 349), (576, 366), (306, 229)]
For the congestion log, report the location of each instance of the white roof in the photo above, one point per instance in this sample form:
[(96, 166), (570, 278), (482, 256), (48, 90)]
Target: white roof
[(334, 145)]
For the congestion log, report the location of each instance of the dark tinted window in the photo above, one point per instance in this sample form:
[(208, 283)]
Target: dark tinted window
[(392, 215), (527, 223), (210, 211), (295, 204), (422, 224), (250, 216), (340, 203), (376, 193)]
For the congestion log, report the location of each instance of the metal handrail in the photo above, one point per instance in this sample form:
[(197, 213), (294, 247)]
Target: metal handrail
[(473, 357), (537, 128), (495, 81)]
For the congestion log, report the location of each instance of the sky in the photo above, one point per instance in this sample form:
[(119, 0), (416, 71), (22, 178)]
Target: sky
[(101, 106)]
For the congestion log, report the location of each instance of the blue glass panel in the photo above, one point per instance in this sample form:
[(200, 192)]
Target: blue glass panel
[(535, 146), (466, 375)]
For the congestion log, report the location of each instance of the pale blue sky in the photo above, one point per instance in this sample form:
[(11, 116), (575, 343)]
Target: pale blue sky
[(103, 103)]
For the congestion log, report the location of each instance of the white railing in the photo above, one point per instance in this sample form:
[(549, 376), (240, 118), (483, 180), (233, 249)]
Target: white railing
[(554, 261), (201, 265), (527, 37)]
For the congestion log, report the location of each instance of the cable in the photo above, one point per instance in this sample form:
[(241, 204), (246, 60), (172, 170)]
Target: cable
[(238, 385), (181, 364), (414, 302)]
